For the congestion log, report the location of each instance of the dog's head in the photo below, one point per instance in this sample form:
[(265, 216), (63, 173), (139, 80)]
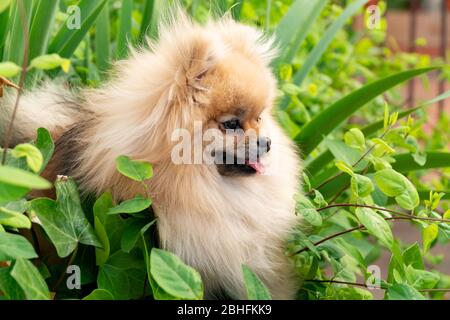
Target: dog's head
[(206, 87)]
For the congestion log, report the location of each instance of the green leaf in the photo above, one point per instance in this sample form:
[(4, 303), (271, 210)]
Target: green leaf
[(13, 246), (256, 290), (9, 69), (315, 55), (308, 211), (429, 234), (30, 280), (394, 184), (4, 5), (31, 153), (125, 24), (123, 275), (372, 128), (361, 186), (341, 165), (101, 254), (175, 277), (290, 127), (131, 206), (45, 144), (421, 279), (41, 27), (345, 153), (9, 287), (376, 225), (406, 163), (132, 233), (49, 62), (64, 220), (135, 170), (10, 193), (15, 219), (329, 119), (413, 257), (403, 292), (22, 178), (355, 138), (67, 40), (99, 294), (103, 39), (113, 224), (299, 18)]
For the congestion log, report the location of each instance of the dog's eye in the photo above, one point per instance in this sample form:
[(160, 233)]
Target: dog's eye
[(232, 124)]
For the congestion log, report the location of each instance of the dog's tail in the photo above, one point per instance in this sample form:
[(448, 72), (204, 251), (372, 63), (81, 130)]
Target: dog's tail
[(49, 106)]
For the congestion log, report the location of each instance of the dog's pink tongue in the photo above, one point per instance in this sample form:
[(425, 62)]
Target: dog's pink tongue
[(257, 166)]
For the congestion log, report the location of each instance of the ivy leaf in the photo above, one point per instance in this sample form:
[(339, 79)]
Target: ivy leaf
[(256, 290), (135, 170), (175, 277), (64, 220), (9, 287), (429, 234), (30, 280), (123, 275), (132, 232), (131, 206), (99, 294), (376, 225), (101, 254), (113, 224), (403, 292)]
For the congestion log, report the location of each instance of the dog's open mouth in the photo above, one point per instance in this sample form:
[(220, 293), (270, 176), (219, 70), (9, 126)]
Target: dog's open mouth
[(257, 166), (241, 167)]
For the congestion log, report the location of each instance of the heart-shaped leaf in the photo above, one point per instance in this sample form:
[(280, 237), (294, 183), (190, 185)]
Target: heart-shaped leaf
[(64, 220)]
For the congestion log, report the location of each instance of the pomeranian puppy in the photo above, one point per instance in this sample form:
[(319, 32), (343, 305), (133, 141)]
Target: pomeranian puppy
[(214, 216)]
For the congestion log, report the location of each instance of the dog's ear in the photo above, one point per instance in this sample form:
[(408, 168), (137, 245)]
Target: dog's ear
[(191, 52), (250, 41)]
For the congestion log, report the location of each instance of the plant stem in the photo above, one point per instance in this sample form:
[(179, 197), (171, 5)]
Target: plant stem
[(402, 214), (356, 284), (23, 73), (354, 165), (359, 227), (63, 274)]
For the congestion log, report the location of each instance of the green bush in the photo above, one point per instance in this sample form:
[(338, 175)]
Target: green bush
[(365, 159)]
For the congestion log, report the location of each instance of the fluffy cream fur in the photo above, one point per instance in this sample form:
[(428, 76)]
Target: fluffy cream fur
[(214, 223)]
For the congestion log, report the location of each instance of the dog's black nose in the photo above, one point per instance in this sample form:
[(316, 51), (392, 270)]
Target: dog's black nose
[(264, 143)]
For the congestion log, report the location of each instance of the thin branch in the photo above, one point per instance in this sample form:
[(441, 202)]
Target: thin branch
[(23, 73), (402, 214), (354, 165), (360, 227), (64, 273), (357, 284)]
